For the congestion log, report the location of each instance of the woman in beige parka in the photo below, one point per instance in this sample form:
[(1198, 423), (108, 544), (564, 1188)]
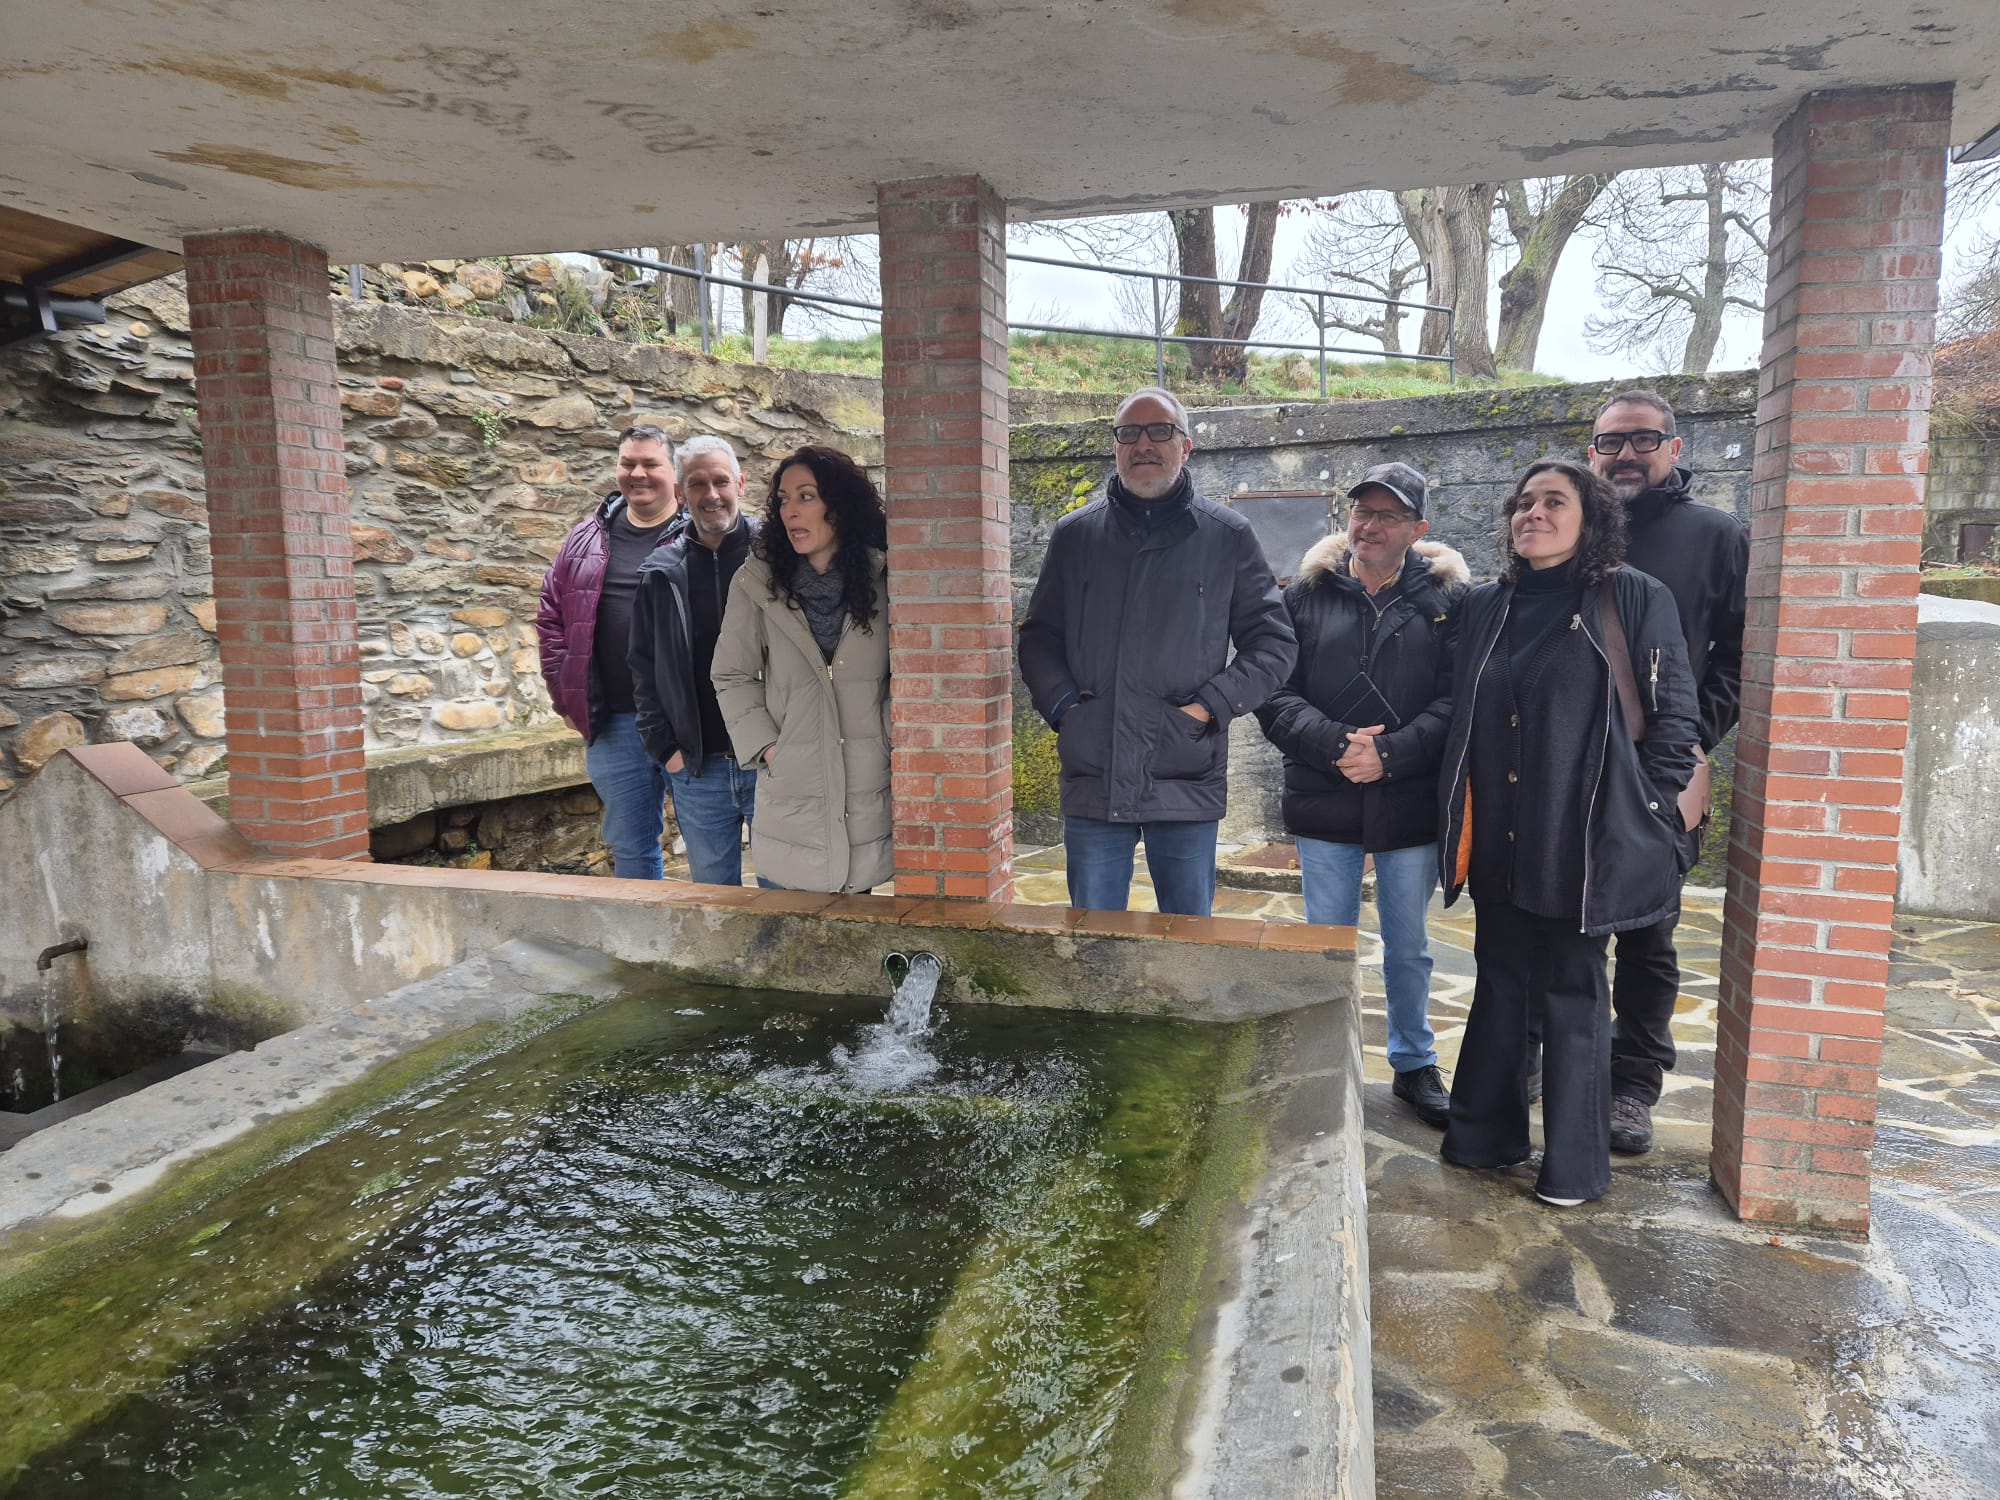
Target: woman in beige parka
[(802, 674)]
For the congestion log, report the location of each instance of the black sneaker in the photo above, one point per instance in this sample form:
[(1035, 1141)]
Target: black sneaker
[(1631, 1125), (1424, 1091)]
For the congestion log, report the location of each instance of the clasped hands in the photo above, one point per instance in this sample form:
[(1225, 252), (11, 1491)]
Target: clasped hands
[(1361, 761)]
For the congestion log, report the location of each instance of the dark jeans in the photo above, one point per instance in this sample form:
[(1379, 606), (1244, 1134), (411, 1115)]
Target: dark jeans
[(1528, 963)]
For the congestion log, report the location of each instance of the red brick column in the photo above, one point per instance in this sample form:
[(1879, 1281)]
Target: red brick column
[(284, 561), (1837, 512), (944, 410)]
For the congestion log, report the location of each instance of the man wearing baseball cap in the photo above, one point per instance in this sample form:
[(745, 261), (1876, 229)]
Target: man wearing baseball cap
[(1362, 723)]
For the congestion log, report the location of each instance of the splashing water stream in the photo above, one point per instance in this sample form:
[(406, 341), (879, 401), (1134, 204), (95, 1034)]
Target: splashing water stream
[(52, 1030), (893, 1054)]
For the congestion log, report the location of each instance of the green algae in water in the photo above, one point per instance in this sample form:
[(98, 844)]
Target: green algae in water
[(647, 1256)]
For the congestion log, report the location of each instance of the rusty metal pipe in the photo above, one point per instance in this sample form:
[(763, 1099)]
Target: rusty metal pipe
[(49, 955)]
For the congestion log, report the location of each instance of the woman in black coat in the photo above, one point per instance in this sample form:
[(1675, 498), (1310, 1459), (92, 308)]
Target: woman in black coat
[(1562, 822)]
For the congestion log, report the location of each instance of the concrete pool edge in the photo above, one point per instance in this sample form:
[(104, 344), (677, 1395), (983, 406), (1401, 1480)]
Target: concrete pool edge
[(172, 899)]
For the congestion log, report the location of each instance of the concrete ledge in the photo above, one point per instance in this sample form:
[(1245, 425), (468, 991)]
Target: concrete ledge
[(175, 900), (1948, 862), (412, 779)]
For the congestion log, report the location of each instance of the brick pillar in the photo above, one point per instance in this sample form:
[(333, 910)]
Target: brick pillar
[(944, 410), (284, 560), (1837, 514)]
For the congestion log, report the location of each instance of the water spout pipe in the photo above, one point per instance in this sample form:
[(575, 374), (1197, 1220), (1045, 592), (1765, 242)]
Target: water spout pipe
[(49, 955)]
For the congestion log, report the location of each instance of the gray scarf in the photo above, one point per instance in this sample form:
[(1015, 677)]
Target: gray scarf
[(822, 596)]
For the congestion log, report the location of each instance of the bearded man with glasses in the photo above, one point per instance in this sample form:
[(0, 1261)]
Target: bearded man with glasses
[(1126, 651), (1362, 722), (1702, 555)]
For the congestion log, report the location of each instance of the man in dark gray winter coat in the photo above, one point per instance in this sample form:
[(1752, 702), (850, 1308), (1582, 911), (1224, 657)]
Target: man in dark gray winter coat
[(1126, 653)]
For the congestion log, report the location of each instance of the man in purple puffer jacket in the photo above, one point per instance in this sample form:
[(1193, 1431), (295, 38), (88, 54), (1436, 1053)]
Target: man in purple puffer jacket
[(585, 625)]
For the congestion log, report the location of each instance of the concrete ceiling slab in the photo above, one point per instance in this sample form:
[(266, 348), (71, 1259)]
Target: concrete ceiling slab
[(382, 131)]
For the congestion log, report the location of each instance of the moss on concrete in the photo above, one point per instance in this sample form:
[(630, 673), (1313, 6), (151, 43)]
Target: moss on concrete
[(1103, 1251), (1054, 489), (77, 1303), (1712, 868)]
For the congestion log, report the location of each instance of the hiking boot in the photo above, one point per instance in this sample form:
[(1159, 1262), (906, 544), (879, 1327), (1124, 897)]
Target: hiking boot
[(1424, 1091), (1631, 1125)]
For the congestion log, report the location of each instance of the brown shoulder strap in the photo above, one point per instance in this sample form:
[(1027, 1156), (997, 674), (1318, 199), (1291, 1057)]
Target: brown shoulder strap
[(1620, 653)]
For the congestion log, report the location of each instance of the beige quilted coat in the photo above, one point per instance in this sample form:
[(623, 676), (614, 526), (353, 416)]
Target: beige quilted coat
[(824, 820)]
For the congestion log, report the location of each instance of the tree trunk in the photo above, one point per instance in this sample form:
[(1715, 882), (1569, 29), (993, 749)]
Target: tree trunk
[(1524, 290), (1246, 303), (1200, 302), (1705, 332), (1468, 216), (679, 295), (1424, 219)]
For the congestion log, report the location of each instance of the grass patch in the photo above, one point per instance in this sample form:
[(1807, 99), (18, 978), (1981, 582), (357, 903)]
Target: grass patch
[(1076, 362)]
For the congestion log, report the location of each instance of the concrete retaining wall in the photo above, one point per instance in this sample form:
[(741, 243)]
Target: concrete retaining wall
[(1950, 858)]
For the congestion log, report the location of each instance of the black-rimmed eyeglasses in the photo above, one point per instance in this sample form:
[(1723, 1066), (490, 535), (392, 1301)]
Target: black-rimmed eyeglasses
[(1609, 443), (1127, 433)]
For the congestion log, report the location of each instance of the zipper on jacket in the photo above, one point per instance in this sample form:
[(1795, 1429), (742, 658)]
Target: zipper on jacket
[(1603, 755), (1478, 673), (1653, 676)]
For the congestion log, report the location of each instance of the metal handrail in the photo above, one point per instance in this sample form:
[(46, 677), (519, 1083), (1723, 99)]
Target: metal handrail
[(1159, 338)]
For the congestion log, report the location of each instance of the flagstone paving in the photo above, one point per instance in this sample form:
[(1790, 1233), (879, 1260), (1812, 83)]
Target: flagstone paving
[(1649, 1345)]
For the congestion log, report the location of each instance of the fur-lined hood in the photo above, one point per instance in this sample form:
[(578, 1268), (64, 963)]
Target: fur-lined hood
[(1329, 556)]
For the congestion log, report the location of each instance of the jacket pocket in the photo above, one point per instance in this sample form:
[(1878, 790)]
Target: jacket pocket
[(1083, 744), (1184, 748)]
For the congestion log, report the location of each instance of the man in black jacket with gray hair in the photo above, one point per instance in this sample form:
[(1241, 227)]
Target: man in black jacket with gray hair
[(676, 618), (1126, 653), (1702, 555)]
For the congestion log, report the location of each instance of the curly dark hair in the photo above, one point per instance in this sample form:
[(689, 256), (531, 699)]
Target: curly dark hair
[(1600, 549), (855, 511)]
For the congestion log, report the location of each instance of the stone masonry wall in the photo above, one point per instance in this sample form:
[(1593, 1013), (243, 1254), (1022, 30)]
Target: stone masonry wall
[(472, 446), (1964, 489)]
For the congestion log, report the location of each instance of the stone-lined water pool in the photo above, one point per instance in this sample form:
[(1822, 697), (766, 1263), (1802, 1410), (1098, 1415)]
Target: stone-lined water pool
[(687, 1243)]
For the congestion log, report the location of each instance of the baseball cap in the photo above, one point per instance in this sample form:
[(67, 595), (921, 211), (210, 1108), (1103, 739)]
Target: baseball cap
[(1400, 480)]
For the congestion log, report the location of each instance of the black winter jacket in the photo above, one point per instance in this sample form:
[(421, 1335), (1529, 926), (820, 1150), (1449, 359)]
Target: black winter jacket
[(1631, 826), (1129, 622), (1702, 555), (1359, 666), (664, 691)]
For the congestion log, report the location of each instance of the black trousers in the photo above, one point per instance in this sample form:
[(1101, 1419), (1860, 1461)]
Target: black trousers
[(1645, 985), (1528, 965)]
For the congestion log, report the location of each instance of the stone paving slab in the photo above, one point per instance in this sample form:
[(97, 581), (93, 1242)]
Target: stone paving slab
[(1648, 1345)]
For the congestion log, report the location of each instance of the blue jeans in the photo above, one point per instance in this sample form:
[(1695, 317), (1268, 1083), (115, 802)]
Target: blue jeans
[(1404, 881), (1179, 856), (634, 791), (712, 809)]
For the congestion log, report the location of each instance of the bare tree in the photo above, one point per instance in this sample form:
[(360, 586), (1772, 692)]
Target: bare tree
[(1452, 228), (1541, 216), (789, 263), (1682, 246), (1360, 242), (1971, 301), (1203, 313)]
